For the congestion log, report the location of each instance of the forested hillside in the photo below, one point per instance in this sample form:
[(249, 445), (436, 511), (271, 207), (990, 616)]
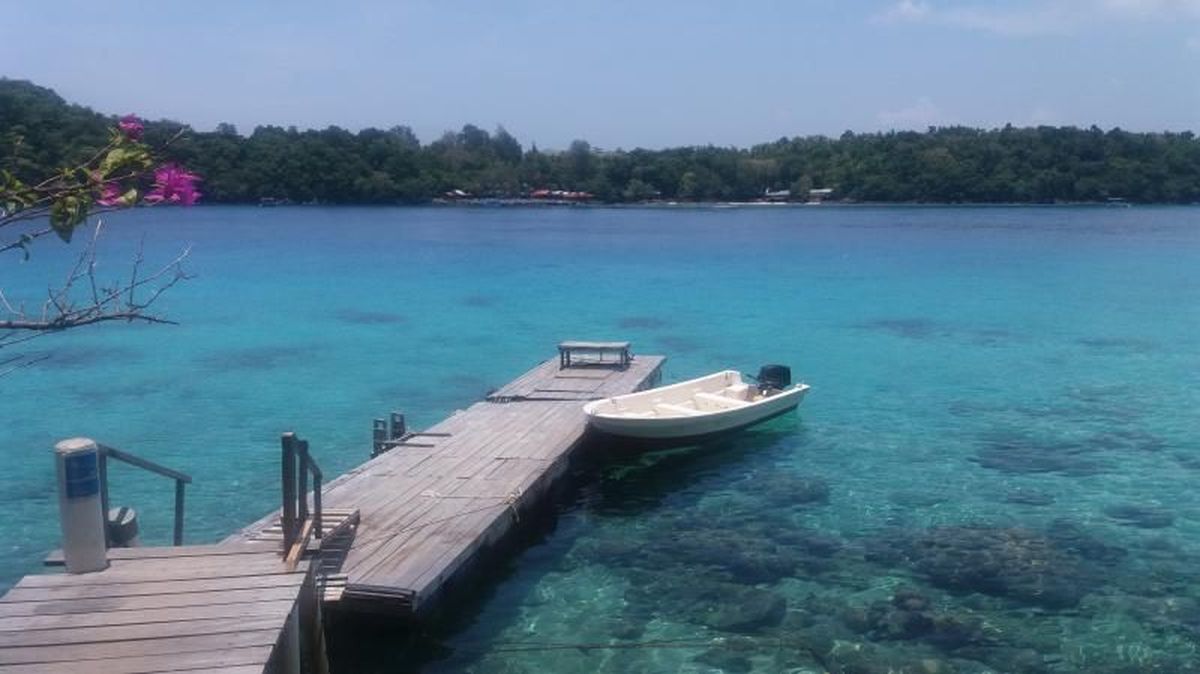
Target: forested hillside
[(40, 132)]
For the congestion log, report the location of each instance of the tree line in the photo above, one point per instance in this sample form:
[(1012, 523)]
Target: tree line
[(39, 132)]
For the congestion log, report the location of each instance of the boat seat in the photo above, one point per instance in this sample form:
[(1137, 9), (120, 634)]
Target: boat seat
[(738, 391), (676, 410), (720, 401)]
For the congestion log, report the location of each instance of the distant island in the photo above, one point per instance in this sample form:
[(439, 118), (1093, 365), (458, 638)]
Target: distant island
[(40, 132)]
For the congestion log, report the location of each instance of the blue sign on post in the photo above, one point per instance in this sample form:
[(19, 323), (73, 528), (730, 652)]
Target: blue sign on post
[(82, 475)]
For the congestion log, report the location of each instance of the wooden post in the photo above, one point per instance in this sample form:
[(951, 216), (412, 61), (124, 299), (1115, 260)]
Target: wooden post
[(315, 659), (287, 517), (317, 505), (398, 427), (102, 469), (379, 436), (289, 643), (179, 484), (302, 492)]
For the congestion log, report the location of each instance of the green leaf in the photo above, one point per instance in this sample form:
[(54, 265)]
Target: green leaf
[(115, 159), (129, 198), (65, 216)]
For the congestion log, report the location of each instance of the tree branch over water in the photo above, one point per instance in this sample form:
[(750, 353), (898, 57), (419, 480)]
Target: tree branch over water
[(82, 299)]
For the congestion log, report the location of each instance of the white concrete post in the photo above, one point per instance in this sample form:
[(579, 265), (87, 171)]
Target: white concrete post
[(77, 462)]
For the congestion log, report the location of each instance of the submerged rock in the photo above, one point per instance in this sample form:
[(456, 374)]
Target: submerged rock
[(725, 660), (748, 610), (1142, 516), (1030, 497), (911, 616), (916, 498), (1007, 562), (782, 489), (1075, 539), (698, 599), (1019, 454)]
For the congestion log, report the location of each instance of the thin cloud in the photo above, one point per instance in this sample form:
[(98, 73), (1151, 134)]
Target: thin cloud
[(1048, 17), (905, 10), (922, 114)]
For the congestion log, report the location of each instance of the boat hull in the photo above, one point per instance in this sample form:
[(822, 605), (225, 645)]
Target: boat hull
[(636, 444), (640, 415)]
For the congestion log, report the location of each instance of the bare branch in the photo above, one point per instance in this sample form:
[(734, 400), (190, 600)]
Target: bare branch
[(19, 363), (129, 301)]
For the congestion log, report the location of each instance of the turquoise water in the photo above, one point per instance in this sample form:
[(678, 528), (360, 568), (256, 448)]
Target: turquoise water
[(994, 470)]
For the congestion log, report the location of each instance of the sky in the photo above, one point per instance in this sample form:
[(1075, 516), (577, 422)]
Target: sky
[(617, 73)]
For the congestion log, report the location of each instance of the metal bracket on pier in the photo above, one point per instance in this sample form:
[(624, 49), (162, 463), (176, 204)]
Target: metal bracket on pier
[(392, 433)]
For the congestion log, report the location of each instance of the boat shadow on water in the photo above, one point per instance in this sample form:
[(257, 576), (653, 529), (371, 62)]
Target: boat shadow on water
[(632, 476)]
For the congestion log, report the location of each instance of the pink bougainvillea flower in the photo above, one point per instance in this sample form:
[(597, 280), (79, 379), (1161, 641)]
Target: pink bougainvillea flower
[(110, 194), (131, 126), (173, 185)]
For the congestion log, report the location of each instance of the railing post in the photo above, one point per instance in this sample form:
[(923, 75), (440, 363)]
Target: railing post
[(288, 516), (398, 427), (179, 484), (378, 436), (102, 469), (302, 491), (317, 504)]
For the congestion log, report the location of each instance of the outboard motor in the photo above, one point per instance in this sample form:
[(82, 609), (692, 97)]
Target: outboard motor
[(777, 377)]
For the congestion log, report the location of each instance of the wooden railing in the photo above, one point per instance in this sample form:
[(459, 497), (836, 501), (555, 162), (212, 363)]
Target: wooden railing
[(181, 479), (296, 520)]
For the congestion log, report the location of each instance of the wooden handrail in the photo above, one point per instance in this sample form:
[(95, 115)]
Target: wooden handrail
[(180, 479), (295, 519)]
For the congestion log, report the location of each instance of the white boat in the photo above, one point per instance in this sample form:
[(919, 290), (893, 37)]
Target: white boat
[(688, 410)]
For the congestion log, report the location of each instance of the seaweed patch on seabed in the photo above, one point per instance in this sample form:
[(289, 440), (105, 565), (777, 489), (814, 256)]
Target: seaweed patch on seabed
[(1130, 344), (75, 357), (478, 301), (642, 322), (1011, 452), (910, 328), (1141, 515), (256, 357), (362, 317), (1029, 497), (460, 387), (990, 336), (676, 344), (128, 391)]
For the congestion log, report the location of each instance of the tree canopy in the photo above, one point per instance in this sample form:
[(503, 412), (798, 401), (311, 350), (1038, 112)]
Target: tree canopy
[(39, 131)]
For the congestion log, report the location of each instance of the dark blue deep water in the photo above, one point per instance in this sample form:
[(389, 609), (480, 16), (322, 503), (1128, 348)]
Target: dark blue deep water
[(995, 470)]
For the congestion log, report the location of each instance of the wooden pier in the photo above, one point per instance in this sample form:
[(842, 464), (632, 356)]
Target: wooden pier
[(386, 537), (432, 503), (195, 608)]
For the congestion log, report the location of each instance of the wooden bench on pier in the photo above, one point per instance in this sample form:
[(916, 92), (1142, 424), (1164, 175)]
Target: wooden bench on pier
[(568, 352)]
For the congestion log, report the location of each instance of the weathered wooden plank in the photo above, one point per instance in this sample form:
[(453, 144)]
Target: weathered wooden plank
[(250, 658), (136, 603), (208, 643), (135, 632), (159, 570), (55, 558), (38, 594), (176, 614)]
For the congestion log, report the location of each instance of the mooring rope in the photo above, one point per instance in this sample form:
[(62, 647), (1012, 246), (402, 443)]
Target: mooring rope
[(739, 644)]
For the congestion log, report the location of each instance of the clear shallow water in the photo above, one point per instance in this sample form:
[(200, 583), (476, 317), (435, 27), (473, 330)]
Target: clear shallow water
[(994, 471)]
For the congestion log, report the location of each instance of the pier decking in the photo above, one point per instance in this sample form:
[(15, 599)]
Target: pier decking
[(396, 531), (194, 608), (431, 504)]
